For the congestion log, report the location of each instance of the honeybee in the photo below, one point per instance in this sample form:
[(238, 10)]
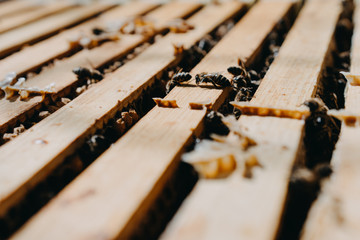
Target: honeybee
[(85, 73), (218, 80), (177, 79), (244, 94), (239, 70), (97, 31), (236, 71), (240, 81), (316, 105)]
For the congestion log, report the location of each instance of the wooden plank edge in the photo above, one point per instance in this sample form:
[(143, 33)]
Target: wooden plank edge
[(230, 8), (56, 158)]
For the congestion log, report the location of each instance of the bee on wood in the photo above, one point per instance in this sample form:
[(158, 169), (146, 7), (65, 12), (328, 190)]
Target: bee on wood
[(177, 79), (316, 105), (239, 82), (321, 131), (98, 31), (214, 124), (85, 73), (236, 71), (217, 79)]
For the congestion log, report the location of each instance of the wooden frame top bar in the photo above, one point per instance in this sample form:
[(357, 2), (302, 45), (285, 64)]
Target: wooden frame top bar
[(30, 33), (160, 54), (335, 214), (112, 93)]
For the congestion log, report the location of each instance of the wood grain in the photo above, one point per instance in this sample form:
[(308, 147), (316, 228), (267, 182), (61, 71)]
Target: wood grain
[(58, 45), (83, 115), (18, 20), (236, 207), (152, 147), (307, 52), (335, 214), (61, 73), (30, 33), (15, 7)]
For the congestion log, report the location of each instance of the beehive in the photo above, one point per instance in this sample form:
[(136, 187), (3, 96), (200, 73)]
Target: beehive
[(87, 154)]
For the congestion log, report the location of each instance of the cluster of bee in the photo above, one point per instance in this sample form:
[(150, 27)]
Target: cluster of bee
[(217, 79), (244, 82)]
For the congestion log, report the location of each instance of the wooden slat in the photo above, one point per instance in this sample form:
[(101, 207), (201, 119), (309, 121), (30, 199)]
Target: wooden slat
[(14, 21), (61, 73), (292, 89), (153, 60), (58, 45), (16, 38), (154, 142), (15, 7), (83, 115), (243, 208), (335, 214)]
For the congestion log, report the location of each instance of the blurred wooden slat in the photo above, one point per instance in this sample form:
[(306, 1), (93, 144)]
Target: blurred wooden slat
[(15, 7), (335, 214), (30, 33), (61, 73), (111, 94), (58, 45), (83, 115), (160, 139), (15, 21), (241, 208)]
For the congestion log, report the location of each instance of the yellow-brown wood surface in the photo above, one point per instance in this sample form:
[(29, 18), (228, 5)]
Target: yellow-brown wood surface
[(335, 214), (109, 100), (115, 196), (237, 206)]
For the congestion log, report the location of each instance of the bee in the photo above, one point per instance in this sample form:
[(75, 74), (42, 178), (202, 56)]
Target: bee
[(316, 105), (236, 71), (244, 94), (98, 31), (214, 124), (177, 79), (85, 73), (218, 80), (239, 82)]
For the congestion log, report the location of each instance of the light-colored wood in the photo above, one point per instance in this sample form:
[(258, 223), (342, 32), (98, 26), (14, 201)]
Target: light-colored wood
[(58, 45), (15, 7), (18, 20), (152, 147), (292, 88), (16, 38), (335, 214), (241, 208), (61, 73), (236, 207), (83, 115)]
